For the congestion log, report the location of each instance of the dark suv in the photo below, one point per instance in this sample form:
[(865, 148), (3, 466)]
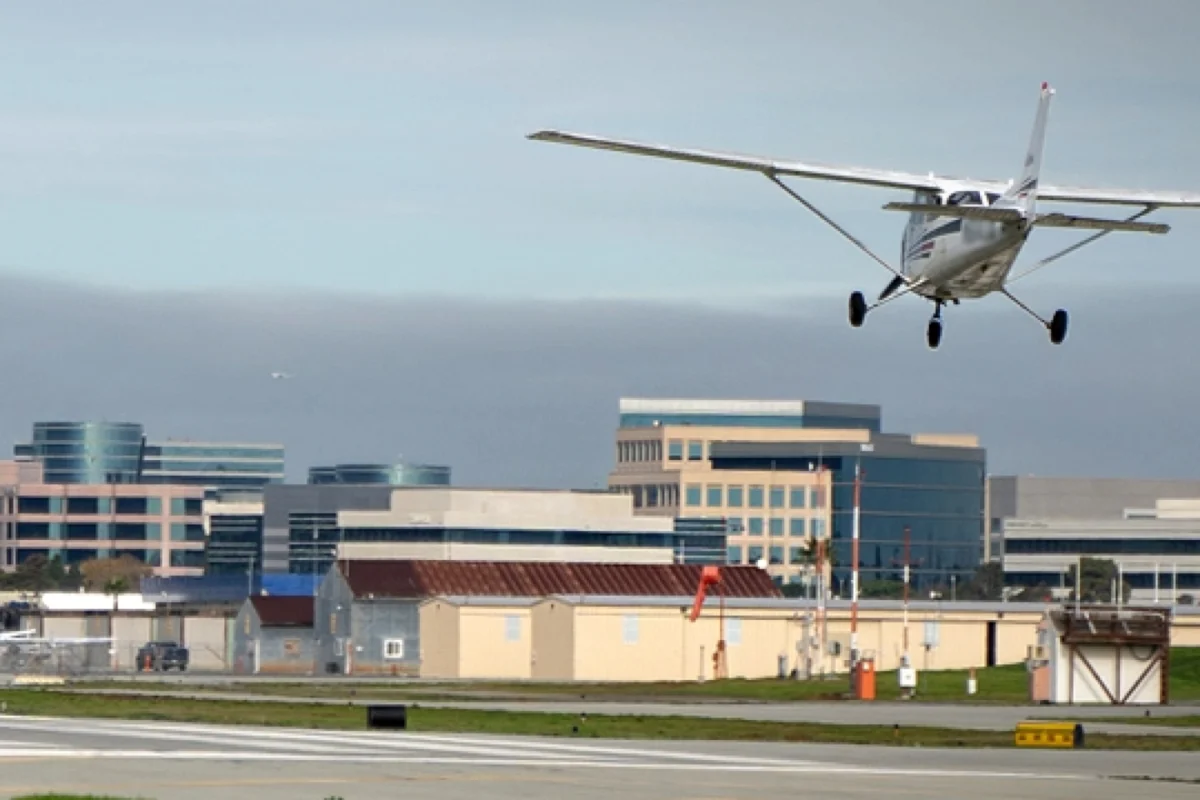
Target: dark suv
[(162, 656)]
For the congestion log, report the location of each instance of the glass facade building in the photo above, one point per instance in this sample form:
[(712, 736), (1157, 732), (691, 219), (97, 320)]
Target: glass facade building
[(86, 452), (381, 474), (936, 492), (118, 453), (639, 413), (217, 465)]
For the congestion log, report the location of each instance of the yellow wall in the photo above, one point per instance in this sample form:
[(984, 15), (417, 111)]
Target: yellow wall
[(602, 652), (485, 647), (439, 640)]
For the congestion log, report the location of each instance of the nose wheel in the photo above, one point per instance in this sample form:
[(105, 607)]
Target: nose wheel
[(858, 310), (933, 334), (1058, 327)]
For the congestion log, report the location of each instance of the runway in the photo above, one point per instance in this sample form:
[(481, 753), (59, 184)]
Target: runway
[(170, 761)]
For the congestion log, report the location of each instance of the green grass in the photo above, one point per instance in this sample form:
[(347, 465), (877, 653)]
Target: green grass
[(1004, 685), (1188, 721), (70, 797), (48, 702)]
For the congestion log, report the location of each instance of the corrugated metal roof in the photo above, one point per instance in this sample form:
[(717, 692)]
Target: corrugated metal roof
[(419, 579), (274, 612)]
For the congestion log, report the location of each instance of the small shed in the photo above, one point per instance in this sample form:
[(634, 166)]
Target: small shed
[(1103, 655), (274, 635)]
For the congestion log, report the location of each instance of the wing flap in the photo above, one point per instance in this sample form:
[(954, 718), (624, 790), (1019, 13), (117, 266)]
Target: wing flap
[(847, 174), (1096, 224)]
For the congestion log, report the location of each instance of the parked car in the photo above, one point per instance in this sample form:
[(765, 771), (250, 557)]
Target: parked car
[(162, 656)]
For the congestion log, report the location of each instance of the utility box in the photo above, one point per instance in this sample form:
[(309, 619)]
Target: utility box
[(907, 676), (864, 679)]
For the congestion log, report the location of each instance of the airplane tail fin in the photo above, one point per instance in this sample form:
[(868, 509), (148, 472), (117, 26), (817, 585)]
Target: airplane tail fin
[(1023, 193)]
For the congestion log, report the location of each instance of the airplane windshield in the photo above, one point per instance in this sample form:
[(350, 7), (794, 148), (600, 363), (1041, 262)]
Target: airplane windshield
[(965, 199)]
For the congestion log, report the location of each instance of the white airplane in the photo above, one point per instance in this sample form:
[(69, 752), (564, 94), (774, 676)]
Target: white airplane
[(963, 235)]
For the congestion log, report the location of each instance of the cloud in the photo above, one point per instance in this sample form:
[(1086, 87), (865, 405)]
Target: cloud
[(525, 393)]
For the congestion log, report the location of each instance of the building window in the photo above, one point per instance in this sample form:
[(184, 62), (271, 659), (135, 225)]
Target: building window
[(734, 554), (756, 526), (776, 497), (756, 497), (630, 629), (815, 498), (695, 451), (798, 497), (393, 649), (735, 525), (797, 526), (777, 526), (675, 450), (797, 555), (715, 496), (693, 494), (733, 631), (755, 554), (776, 555), (735, 496), (818, 527), (512, 628)]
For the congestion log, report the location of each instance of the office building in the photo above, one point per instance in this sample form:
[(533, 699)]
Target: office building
[(781, 474), (118, 452), (161, 526), (305, 525), (381, 474), (233, 526), (1040, 527), (226, 465)]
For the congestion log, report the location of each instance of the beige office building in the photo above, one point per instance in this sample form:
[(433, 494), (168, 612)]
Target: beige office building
[(767, 467)]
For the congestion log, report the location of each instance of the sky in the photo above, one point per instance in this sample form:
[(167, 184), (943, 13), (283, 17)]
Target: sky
[(194, 196)]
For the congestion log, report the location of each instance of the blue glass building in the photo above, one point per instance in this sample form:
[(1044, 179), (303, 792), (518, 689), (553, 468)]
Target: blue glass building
[(381, 474), (117, 452), (937, 492), (86, 452)]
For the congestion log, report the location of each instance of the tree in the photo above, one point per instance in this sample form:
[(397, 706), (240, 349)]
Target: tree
[(986, 584), (109, 574), (1095, 583)]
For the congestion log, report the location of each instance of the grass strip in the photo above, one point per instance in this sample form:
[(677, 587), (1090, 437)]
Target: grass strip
[(46, 702)]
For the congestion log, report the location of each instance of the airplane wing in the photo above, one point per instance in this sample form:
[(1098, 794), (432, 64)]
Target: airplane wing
[(1055, 220), (847, 174), (1124, 197)]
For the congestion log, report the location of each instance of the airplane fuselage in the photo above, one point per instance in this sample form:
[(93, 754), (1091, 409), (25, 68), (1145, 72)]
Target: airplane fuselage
[(959, 258)]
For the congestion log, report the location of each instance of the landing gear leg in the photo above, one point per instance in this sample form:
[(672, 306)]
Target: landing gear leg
[(1057, 326), (933, 335)]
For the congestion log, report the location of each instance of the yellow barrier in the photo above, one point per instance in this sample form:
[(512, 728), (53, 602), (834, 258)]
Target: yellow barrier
[(1049, 734)]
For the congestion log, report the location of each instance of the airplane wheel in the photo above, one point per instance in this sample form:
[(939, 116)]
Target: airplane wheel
[(858, 309), (934, 334), (1058, 327)]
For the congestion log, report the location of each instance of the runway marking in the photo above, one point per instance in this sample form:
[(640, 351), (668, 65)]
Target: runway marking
[(212, 755)]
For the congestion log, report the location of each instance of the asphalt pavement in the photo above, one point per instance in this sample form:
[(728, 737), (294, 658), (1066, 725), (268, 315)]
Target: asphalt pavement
[(168, 761)]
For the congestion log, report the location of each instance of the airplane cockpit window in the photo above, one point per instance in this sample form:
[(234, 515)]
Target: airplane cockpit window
[(965, 199), (992, 198)]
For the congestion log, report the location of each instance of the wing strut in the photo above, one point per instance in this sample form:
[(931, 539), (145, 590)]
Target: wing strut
[(771, 177), (1051, 259)]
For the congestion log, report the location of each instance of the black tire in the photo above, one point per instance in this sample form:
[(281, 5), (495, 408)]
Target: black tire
[(933, 334), (1058, 327), (858, 310)]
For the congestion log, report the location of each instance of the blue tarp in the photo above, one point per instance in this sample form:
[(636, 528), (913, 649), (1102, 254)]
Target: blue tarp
[(225, 588)]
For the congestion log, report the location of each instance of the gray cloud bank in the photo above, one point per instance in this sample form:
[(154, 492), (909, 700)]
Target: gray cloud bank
[(525, 393)]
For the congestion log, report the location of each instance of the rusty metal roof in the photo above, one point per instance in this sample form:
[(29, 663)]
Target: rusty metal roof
[(275, 612), (418, 579)]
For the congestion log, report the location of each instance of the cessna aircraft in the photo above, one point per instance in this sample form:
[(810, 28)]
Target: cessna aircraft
[(963, 236)]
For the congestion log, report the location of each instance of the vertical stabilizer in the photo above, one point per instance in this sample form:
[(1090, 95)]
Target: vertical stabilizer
[(1023, 193)]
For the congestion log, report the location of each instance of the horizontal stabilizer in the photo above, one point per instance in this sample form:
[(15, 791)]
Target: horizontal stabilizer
[(962, 212), (1095, 224)]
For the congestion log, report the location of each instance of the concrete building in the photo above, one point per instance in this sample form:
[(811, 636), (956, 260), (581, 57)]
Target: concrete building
[(118, 452), (1039, 528), (1035, 497), (369, 613), (782, 474), (274, 635), (161, 526), (305, 525)]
